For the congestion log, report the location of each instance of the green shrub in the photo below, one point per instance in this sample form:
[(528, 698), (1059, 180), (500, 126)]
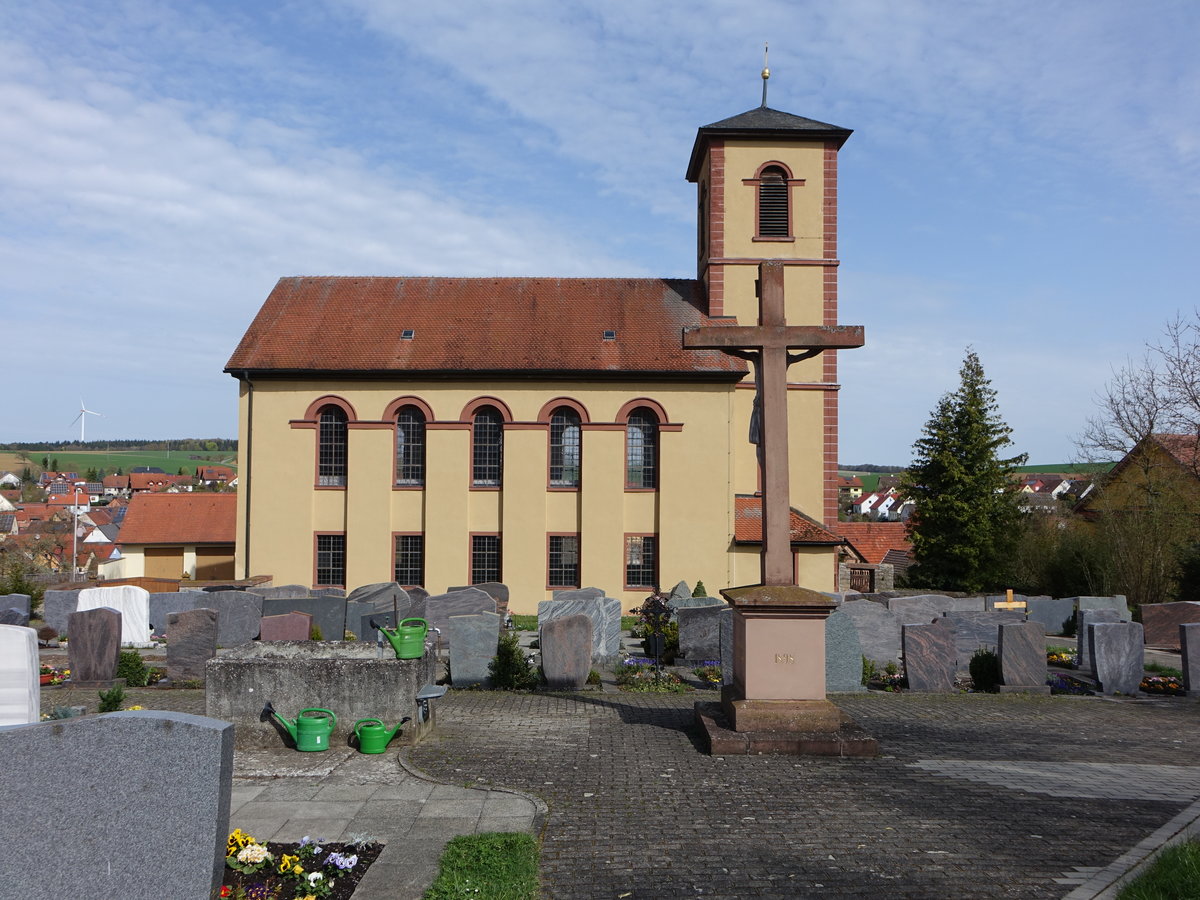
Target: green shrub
[(985, 670), (868, 670), (1068, 626), (509, 669), (111, 700), (314, 633), (700, 590), (131, 667), (593, 677)]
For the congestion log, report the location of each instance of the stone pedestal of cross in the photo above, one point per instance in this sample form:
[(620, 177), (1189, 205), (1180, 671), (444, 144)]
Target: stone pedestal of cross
[(777, 701)]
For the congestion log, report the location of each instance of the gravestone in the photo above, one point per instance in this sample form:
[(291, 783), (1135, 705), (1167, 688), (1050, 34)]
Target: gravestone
[(56, 606), (417, 593), (360, 613), (994, 599), (327, 613), (494, 589), (980, 629), (239, 613), (878, 630), (1117, 603), (1085, 618), (604, 613), (162, 605), (1051, 612), (929, 655), (1161, 621), (292, 626), (1022, 652), (14, 617), (726, 626), (966, 604), (283, 592), (843, 654), (566, 645), (20, 693), (22, 602), (592, 593), (699, 634), (80, 831), (329, 592), (919, 610), (1118, 654), (1189, 657), (380, 596), (94, 646), (473, 642), (694, 602), (440, 607), (191, 642), (131, 601), (681, 591)]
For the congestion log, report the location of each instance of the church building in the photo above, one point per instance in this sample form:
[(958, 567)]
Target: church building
[(550, 433)]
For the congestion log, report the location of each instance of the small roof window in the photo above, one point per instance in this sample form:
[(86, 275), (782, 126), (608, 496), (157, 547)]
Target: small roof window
[(610, 334), (408, 334)]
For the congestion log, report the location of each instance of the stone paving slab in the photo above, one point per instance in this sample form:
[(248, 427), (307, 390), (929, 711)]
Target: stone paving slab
[(636, 810)]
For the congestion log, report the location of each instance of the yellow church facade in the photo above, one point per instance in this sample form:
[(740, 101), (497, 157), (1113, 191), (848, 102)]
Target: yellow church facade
[(549, 433)]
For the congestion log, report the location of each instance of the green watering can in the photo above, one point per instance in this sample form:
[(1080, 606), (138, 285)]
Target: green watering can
[(311, 728), (407, 640), (373, 735)]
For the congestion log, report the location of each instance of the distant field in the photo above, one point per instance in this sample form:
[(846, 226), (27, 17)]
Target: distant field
[(1068, 468), (110, 460)]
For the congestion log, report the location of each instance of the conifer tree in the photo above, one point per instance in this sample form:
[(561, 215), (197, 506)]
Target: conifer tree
[(966, 523)]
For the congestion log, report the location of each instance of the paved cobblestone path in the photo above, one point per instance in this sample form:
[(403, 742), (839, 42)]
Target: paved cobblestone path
[(976, 795)]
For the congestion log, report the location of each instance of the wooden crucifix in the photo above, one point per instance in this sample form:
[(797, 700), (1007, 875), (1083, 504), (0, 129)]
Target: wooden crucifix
[(772, 346)]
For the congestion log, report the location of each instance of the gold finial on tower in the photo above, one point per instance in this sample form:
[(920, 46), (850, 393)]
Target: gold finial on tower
[(766, 73)]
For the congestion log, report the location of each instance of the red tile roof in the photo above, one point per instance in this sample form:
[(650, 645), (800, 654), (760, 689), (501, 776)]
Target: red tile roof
[(874, 539), (748, 525), (180, 519), (552, 325)]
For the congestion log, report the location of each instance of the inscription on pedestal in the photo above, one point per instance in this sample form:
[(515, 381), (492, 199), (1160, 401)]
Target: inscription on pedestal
[(784, 658)]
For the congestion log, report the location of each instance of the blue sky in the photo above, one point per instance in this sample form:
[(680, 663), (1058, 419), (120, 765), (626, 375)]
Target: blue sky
[(1023, 178)]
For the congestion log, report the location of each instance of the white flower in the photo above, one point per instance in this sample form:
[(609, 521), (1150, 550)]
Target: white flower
[(314, 877), (252, 853)]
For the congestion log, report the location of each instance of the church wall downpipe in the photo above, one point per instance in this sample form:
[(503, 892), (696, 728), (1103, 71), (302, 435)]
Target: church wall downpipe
[(244, 469)]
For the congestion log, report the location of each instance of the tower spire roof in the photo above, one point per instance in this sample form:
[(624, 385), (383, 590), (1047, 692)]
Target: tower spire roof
[(760, 122)]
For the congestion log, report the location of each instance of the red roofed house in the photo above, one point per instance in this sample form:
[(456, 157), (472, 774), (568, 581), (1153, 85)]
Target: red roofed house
[(167, 535), (549, 432)]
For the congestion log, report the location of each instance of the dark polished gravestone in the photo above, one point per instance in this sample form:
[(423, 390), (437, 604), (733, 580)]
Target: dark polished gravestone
[(14, 617), (929, 655), (191, 642), (22, 602), (878, 630), (240, 614), (978, 630), (566, 646), (1053, 613), (56, 606), (1022, 652), (1161, 621), (1189, 657), (94, 646), (473, 643), (699, 634), (1085, 619)]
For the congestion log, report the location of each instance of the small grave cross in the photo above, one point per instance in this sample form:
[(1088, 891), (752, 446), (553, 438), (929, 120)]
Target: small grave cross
[(769, 346), (1008, 602)]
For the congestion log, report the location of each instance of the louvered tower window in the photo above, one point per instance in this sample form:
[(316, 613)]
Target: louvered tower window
[(773, 220)]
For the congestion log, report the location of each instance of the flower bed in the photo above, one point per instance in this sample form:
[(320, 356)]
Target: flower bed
[(54, 676), (637, 673), (307, 870), (1163, 685)]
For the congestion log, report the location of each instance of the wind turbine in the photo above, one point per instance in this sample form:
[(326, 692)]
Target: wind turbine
[(84, 412)]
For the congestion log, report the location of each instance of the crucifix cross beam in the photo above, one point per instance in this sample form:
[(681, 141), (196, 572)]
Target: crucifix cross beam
[(770, 344)]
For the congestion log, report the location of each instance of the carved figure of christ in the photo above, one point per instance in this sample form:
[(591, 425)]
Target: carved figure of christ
[(772, 346)]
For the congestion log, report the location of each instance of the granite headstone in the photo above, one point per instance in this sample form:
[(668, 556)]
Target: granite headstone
[(878, 630), (283, 592), (929, 655), (1118, 654), (1051, 612), (979, 630), (680, 591), (1189, 657), (56, 606), (1118, 603), (22, 602), (162, 605), (604, 613), (20, 697), (14, 617), (699, 634), (593, 593), (843, 654), (919, 610), (1161, 621), (494, 589), (94, 645), (727, 645), (1022, 651), (566, 645), (440, 607), (1085, 618), (328, 614), (239, 615), (291, 626), (191, 642), (473, 642), (677, 603)]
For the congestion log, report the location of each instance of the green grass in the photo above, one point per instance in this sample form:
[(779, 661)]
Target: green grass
[(1174, 875), (495, 865), (110, 460), (1160, 669)]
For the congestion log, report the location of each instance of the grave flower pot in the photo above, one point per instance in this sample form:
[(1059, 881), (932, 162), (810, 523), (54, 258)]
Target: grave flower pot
[(46, 679), (653, 645)]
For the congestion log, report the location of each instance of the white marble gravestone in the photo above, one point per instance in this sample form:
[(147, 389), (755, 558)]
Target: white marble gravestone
[(20, 687), (131, 601)]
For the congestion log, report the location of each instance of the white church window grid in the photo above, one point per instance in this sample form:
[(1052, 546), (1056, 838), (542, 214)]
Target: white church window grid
[(331, 447), (410, 447), (565, 447)]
